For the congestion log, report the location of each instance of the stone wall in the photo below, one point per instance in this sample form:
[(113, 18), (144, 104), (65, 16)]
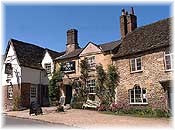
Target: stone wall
[(153, 72)]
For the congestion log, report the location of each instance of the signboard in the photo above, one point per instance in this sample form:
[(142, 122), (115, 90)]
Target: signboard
[(68, 66)]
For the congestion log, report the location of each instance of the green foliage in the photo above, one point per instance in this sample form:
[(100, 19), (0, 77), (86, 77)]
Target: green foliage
[(82, 91), (54, 86), (106, 85), (143, 112), (16, 103), (112, 82)]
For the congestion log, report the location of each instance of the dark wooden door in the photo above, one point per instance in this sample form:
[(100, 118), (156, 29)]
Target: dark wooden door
[(68, 94)]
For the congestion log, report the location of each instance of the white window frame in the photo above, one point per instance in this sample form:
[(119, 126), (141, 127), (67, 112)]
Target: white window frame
[(91, 61), (171, 61), (91, 86), (135, 63), (142, 95), (46, 68), (10, 92)]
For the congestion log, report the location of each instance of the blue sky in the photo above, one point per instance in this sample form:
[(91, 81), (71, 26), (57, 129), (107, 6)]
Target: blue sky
[(46, 25)]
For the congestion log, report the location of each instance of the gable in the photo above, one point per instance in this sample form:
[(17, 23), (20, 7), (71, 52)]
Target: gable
[(90, 49), (47, 59)]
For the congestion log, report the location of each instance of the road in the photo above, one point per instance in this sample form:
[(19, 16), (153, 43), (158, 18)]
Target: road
[(19, 122)]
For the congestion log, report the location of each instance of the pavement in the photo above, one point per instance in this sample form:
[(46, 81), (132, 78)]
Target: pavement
[(9, 121), (90, 119)]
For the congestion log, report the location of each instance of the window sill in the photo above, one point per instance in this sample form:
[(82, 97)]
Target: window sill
[(92, 93), (10, 98), (138, 103), (170, 70), (138, 71)]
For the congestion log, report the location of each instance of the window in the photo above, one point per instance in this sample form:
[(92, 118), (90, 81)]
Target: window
[(91, 61), (33, 92), (10, 92), (91, 86), (48, 68), (168, 61), (136, 64), (138, 95), (9, 70)]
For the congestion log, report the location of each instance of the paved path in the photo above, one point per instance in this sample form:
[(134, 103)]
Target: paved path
[(88, 119), (20, 122)]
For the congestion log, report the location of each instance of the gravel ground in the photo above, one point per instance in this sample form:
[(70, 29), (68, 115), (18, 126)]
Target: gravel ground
[(91, 119)]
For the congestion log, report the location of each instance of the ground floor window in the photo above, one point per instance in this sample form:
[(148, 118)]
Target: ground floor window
[(91, 86), (10, 92), (137, 95), (33, 92)]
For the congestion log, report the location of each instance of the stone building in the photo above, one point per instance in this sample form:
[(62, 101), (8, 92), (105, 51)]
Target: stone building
[(144, 63), (143, 58), (70, 62)]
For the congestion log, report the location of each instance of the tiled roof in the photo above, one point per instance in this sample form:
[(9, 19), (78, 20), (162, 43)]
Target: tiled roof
[(54, 54), (70, 55), (104, 47), (145, 38), (30, 55), (109, 46)]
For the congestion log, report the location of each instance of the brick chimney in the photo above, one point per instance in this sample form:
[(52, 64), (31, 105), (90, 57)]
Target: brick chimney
[(72, 40), (123, 24), (128, 22), (131, 21)]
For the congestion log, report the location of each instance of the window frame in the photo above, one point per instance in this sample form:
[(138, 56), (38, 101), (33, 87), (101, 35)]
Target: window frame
[(135, 65), (88, 87), (92, 64), (171, 61), (46, 68), (10, 92), (135, 96)]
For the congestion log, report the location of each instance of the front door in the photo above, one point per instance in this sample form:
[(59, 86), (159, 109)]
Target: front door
[(33, 93), (169, 92), (68, 94)]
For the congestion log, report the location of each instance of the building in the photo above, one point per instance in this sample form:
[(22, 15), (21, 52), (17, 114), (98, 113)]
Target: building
[(143, 58), (25, 73)]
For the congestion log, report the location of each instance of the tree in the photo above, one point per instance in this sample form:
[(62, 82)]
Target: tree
[(101, 77), (82, 90), (53, 85), (112, 82)]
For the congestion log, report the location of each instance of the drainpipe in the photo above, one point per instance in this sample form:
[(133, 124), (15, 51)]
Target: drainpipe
[(40, 86)]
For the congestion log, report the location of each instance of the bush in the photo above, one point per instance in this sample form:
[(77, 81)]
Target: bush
[(146, 112), (16, 103), (77, 105)]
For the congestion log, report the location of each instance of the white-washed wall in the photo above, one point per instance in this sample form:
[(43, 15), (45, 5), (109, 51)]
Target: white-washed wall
[(11, 58), (34, 76), (47, 59)]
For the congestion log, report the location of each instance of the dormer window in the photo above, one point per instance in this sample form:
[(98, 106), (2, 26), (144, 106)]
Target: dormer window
[(168, 59), (136, 64), (48, 68)]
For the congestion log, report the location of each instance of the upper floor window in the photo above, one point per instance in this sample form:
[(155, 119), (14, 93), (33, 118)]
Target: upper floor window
[(9, 70), (68, 66), (168, 61), (137, 95), (136, 64), (91, 86), (91, 61), (48, 68)]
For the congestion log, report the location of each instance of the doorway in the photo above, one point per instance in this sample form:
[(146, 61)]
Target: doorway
[(33, 93), (68, 94)]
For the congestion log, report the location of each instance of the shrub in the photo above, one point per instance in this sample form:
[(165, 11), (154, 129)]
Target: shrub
[(16, 103), (77, 105), (60, 108)]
